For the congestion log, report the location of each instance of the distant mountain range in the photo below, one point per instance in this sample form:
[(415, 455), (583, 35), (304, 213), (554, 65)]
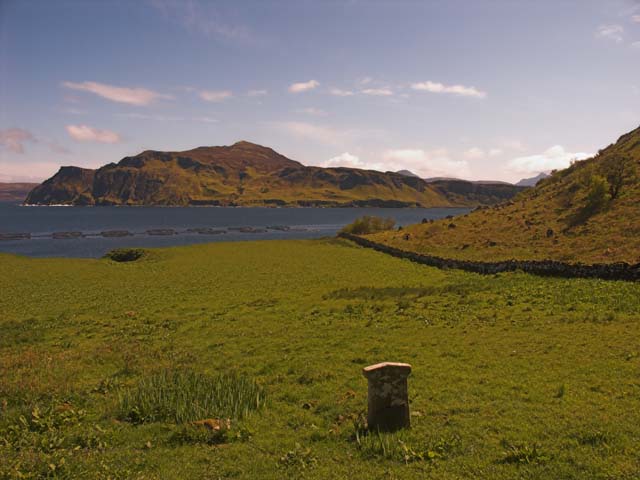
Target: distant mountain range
[(15, 192), (589, 212), (525, 182), (533, 181), (246, 174)]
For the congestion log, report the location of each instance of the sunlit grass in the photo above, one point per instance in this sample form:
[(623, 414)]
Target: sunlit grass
[(182, 396), (514, 376)]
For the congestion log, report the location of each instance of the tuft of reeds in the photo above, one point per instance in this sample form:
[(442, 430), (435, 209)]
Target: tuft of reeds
[(184, 396)]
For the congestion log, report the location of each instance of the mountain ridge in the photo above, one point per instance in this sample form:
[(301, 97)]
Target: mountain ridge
[(242, 174)]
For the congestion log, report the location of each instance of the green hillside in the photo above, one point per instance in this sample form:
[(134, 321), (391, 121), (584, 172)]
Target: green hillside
[(589, 212)]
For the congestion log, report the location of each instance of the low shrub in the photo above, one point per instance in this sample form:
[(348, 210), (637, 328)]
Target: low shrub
[(184, 396), (299, 458), (125, 254), (523, 453), (369, 224)]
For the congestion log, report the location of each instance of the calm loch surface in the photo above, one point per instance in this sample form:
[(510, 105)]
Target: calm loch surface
[(93, 231)]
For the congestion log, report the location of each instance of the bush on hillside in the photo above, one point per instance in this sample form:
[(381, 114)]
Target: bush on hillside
[(618, 169), (597, 195), (595, 200), (125, 254), (369, 224)]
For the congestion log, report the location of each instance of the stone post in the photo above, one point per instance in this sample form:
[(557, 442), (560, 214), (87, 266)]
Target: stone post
[(388, 396)]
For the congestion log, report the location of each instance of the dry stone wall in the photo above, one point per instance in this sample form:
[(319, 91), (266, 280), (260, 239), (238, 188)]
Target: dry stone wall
[(606, 271)]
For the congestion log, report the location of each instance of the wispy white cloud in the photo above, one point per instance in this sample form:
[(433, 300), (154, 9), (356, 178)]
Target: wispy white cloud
[(328, 135), (257, 93), (74, 111), (555, 157), (460, 90), (348, 160), (132, 96), (381, 92), (13, 139), (512, 144), (206, 119), (612, 32), (303, 86), (203, 18), (143, 116), (340, 93), (318, 133), (215, 95), (85, 133), (475, 153), (57, 148), (313, 111), (426, 163), (636, 45)]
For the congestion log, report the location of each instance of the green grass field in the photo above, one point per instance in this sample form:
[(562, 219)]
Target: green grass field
[(514, 376)]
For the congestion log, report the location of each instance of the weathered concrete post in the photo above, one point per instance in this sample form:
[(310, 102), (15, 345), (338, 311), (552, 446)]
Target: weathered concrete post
[(388, 396)]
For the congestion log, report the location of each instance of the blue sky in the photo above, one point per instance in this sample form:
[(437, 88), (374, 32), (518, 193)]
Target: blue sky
[(474, 89)]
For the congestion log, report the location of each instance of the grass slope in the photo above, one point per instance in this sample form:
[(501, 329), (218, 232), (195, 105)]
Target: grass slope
[(562, 218), (514, 376)]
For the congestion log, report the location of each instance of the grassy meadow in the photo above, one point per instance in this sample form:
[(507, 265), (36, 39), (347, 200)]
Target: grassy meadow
[(104, 367)]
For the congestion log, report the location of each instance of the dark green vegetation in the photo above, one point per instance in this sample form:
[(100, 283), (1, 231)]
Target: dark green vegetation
[(589, 212), (369, 224), (514, 376), (126, 254), (15, 192), (251, 175)]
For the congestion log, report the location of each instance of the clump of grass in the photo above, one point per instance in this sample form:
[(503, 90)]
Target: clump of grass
[(125, 254), (594, 438), (523, 453), (399, 446), (183, 396), (369, 224), (299, 458)]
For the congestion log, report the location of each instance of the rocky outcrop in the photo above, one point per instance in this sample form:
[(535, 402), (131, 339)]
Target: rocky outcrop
[(70, 186)]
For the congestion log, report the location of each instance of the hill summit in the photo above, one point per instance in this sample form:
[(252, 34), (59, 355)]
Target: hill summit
[(589, 212), (240, 174)]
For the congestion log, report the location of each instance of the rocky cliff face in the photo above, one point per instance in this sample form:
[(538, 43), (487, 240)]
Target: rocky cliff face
[(240, 174), (70, 186)]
